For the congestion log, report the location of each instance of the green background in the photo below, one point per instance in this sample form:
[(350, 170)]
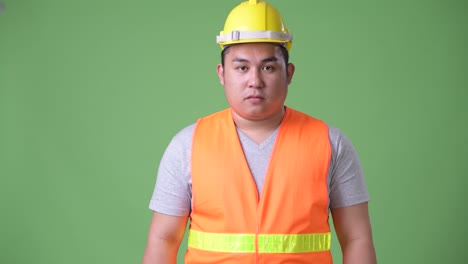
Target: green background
[(91, 92)]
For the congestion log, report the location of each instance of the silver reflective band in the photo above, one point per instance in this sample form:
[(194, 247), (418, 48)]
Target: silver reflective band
[(242, 35)]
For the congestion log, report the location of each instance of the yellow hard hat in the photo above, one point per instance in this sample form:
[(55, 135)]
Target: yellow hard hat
[(254, 21)]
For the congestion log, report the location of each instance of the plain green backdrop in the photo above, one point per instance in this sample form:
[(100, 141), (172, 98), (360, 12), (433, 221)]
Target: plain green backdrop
[(91, 93)]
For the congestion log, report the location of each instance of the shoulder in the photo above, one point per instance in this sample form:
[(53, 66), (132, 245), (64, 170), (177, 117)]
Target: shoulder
[(335, 135), (183, 138), (185, 134), (341, 145), (180, 145)]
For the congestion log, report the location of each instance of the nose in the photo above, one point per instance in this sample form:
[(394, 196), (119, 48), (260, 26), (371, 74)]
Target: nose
[(255, 79)]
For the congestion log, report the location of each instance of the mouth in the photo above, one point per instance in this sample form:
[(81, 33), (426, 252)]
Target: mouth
[(255, 99), (258, 97)]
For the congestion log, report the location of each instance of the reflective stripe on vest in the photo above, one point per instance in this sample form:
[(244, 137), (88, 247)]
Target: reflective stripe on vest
[(245, 243)]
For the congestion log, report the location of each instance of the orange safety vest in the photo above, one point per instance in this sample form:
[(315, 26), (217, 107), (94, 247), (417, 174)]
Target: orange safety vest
[(229, 223)]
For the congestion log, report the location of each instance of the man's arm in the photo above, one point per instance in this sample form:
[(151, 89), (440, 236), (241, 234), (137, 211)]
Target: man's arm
[(165, 234), (353, 229)]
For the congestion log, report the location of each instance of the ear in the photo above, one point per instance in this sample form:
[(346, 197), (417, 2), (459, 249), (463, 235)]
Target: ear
[(220, 71), (291, 69)]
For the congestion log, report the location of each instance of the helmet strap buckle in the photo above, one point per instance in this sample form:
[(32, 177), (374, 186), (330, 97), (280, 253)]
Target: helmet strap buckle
[(235, 35)]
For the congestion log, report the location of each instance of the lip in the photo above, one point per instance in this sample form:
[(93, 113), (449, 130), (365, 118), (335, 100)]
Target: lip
[(254, 99)]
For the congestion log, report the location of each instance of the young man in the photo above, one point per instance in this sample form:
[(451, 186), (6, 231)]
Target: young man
[(258, 180)]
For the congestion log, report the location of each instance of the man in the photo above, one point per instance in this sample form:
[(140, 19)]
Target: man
[(258, 180)]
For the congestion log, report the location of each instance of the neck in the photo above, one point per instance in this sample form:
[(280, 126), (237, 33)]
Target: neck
[(258, 129)]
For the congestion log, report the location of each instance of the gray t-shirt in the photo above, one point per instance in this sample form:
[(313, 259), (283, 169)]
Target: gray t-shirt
[(173, 191)]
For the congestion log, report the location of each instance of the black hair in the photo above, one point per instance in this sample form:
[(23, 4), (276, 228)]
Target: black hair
[(284, 52)]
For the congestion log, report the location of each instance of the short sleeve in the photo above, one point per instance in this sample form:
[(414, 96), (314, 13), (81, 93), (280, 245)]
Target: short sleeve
[(346, 181), (173, 191)]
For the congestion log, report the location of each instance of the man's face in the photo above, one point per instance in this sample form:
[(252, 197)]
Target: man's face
[(255, 79)]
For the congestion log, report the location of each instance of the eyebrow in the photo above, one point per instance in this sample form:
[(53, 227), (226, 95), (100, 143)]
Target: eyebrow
[(269, 59)]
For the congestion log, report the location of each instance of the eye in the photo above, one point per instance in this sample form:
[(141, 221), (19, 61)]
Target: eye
[(268, 68), (242, 68)]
